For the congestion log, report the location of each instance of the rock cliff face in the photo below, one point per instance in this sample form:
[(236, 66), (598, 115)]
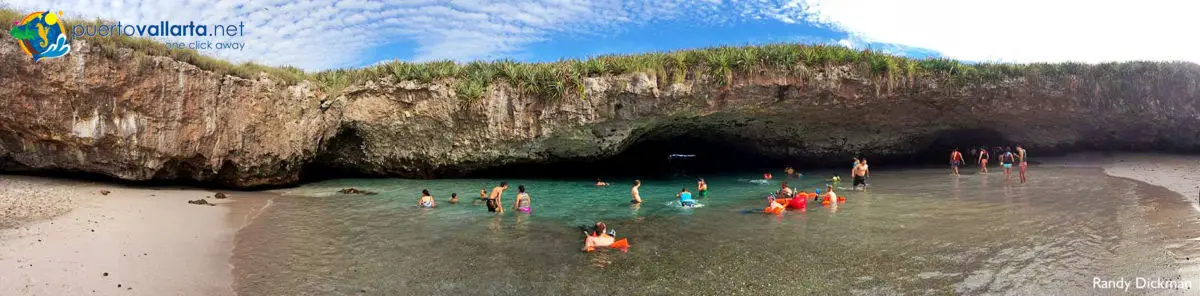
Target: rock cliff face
[(135, 117)]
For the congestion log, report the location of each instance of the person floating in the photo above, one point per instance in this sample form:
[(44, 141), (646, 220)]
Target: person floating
[(523, 202), (956, 160), (494, 202), (1022, 162), (637, 197), (773, 206), (600, 238), (454, 198), (601, 182), (685, 198), (983, 160), (1006, 161), (426, 200), (702, 188)]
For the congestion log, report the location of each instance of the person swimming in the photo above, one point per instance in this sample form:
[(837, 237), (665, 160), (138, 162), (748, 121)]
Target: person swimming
[(483, 196), (685, 198), (601, 182), (426, 200), (454, 198), (773, 205), (767, 176), (702, 187), (523, 203), (637, 197)]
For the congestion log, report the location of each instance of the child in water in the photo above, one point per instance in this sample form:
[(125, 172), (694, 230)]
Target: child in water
[(773, 206)]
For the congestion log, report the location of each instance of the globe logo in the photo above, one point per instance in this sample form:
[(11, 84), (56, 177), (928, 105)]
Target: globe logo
[(41, 35)]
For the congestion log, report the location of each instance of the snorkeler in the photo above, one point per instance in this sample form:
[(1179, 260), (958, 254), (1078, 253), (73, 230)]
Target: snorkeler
[(600, 182), (773, 205), (637, 197), (454, 198), (523, 202), (426, 200), (685, 198), (702, 187), (494, 204)]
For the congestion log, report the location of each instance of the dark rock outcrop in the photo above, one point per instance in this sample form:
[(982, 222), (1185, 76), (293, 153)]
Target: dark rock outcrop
[(201, 202), (137, 117)]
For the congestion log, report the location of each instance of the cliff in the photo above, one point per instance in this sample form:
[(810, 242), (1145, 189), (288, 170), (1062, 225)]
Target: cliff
[(137, 117)]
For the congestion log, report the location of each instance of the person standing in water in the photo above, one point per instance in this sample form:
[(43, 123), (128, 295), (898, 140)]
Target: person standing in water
[(1021, 162), (494, 203), (426, 200), (1006, 161), (983, 160), (956, 160), (637, 197), (702, 188), (454, 198), (860, 175), (523, 202)]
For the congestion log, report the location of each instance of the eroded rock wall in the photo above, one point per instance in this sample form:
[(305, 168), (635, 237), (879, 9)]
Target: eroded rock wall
[(136, 117)]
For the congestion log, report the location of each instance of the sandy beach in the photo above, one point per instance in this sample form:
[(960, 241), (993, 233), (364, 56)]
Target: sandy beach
[(1178, 173), (66, 237)]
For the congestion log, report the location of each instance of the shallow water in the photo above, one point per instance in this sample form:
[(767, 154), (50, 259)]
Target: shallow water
[(914, 232)]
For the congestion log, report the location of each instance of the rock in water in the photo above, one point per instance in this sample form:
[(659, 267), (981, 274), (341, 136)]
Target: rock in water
[(105, 192), (219, 196), (356, 191), (200, 202)]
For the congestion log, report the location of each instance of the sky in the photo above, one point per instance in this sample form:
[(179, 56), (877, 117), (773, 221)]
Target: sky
[(326, 34)]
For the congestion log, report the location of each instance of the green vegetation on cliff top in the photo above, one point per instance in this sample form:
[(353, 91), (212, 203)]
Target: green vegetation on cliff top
[(565, 78)]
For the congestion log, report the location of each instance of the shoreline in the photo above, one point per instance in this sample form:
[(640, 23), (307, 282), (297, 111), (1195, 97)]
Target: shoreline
[(149, 241), (1176, 173)]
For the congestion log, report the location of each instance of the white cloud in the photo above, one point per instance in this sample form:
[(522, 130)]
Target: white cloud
[(1018, 30), (321, 34)]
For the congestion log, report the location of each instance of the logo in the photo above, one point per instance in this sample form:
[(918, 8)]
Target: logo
[(41, 35)]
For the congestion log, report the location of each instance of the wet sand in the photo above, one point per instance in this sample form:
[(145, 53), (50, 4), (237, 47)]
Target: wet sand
[(1177, 173), (131, 241)]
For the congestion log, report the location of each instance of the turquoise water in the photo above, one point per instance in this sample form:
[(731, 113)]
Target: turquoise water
[(913, 232)]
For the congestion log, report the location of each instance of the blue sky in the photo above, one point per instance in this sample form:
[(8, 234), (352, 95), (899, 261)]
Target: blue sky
[(324, 34)]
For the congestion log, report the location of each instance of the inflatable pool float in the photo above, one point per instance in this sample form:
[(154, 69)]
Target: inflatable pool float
[(621, 244), (773, 210), (798, 202)]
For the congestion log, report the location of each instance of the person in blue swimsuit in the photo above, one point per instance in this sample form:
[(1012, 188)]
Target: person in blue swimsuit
[(685, 198)]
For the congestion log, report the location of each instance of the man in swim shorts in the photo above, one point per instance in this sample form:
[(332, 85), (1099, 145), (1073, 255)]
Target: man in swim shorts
[(702, 187), (685, 198), (494, 203), (1021, 162), (860, 175), (956, 160)]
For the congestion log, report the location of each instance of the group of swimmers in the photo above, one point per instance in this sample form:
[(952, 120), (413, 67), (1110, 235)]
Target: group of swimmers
[(494, 203), (1008, 156)]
